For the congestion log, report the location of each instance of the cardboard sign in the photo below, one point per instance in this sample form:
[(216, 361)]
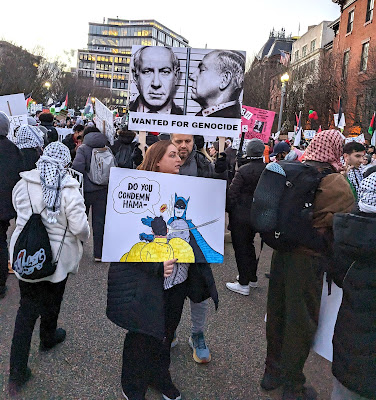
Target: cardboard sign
[(179, 94), (257, 123), (329, 308), (105, 120), (14, 105), (309, 134), (153, 217), (79, 177)]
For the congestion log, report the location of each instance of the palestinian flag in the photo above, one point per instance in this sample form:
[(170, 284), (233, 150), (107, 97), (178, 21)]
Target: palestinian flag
[(88, 107), (371, 130), (341, 116), (320, 130), (298, 132), (64, 104)]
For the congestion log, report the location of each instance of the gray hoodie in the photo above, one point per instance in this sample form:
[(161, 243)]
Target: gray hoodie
[(82, 160)]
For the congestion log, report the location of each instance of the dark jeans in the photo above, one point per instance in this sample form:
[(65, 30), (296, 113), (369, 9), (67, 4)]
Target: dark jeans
[(37, 299), (243, 237), (146, 360), (97, 201), (293, 308), (4, 225)]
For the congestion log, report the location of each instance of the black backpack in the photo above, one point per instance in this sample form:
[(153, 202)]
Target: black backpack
[(282, 208), (124, 156), (32, 255)]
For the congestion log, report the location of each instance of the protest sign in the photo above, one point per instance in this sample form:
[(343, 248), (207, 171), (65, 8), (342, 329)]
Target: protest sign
[(152, 216), (63, 132), (176, 96), (105, 120), (257, 123), (236, 144), (14, 105), (329, 308), (360, 139), (309, 134), (79, 177)]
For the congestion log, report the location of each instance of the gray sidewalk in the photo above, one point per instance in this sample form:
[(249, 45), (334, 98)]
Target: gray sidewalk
[(87, 365)]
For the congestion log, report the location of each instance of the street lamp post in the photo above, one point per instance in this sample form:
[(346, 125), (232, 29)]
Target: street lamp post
[(284, 79)]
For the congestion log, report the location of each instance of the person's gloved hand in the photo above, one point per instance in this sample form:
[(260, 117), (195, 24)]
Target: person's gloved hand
[(220, 165), (137, 157)]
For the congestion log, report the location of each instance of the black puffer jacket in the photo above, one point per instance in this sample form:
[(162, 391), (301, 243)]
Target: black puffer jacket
[(11, 164), (240, 193), (123, 149), (354, 340), (135, 299)]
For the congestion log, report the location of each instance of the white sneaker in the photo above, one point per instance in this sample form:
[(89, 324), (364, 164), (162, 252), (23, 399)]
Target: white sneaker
[(238, 288), (250, 284)]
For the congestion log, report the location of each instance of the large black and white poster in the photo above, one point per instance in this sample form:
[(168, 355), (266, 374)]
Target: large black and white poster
[(185, 90)]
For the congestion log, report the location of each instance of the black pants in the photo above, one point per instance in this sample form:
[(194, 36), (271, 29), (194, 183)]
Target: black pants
[(146, 360), (242, 237), (37, 299), (4, 225), (293, 308), (97, 201)]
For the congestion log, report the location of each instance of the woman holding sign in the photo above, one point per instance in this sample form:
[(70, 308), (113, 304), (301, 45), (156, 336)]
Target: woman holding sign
[(147, 299)]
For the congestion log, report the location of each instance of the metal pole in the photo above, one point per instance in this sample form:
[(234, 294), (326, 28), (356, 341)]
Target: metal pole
[(283, 93)]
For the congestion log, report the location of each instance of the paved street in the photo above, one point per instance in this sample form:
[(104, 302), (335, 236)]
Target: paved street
[(87, 365)]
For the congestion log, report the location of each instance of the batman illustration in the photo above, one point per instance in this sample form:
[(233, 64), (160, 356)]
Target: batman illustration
[(202, 251)]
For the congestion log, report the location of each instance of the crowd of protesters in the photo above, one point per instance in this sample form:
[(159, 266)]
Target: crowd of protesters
[(343, 211)]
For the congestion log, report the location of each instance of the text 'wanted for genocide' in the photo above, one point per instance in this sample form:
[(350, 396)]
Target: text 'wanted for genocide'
[(185, 124)]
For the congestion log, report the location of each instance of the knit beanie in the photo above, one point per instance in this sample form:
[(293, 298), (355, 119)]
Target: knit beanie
[(4, 124), (367, 194), (255, 148)]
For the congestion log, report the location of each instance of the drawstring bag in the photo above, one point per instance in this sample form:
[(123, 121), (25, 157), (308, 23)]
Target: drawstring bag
[(32, 256)]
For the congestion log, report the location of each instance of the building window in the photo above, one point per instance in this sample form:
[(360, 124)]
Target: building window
[(350, 21), (370, 6), (313, 45), (304, 51), (358, 109), (297, 55), (364, 58), (345, 64)]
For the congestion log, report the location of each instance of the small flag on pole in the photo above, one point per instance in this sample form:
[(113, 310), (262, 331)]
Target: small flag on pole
[(339, 119), (298, 132), (371, 130), (64, 105), (320, 130)]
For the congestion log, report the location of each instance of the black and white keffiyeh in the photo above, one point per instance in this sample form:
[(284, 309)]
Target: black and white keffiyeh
[(355, 176), (53, 176), (367, 194), (29, 137)]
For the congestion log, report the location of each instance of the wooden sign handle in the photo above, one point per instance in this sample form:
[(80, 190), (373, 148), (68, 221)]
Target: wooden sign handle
[(142, 140), (10, 111), (221, 144)]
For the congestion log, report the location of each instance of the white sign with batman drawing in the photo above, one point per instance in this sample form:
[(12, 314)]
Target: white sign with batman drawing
[(153, 217)]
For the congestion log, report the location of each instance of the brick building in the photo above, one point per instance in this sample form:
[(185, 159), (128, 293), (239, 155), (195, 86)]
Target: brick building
[(355, 49)]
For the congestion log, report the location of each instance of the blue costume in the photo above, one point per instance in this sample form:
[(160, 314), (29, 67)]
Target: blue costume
[(203, 252)]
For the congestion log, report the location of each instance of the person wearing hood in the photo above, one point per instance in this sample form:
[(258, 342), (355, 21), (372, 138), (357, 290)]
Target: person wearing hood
[(125, 149), (238, 205), (29, 139), (95, 195), (52, 192), (354, 350), (296, 276), (47, 126), (11, 164)]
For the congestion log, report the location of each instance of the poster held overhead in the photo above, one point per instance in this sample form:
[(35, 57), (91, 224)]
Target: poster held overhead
[(152, 216), (257, 123), (105, 120), (14, 105), (176, 96)]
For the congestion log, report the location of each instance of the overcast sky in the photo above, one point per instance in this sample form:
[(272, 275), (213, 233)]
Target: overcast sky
[(234, 24)]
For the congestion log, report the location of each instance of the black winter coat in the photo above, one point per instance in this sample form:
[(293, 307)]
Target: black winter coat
[(52, 135), (240, 193), (30, 157), (354, 340), (11, 164), (135, 299), (123, 149)]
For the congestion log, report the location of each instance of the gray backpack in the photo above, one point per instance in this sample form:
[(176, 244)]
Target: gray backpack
[(102, 160)]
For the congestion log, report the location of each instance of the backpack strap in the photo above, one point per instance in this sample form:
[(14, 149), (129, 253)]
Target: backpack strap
[(31, 205), (61, 245)]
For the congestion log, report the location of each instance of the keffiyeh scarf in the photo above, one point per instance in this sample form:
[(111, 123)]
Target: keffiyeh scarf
[(367, 194), (326, 146), (53, 176), (28, 137)]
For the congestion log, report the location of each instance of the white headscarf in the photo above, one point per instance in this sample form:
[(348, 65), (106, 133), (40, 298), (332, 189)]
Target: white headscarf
[(28, 137), (53, 176)]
